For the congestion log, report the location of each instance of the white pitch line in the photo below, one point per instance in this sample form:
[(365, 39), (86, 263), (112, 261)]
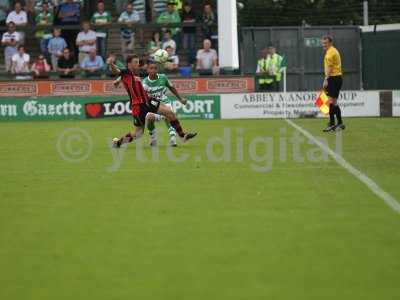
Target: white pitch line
[(372, 185)]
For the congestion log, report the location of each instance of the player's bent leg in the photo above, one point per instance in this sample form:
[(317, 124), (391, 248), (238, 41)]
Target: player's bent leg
[(171, 117), (172, 134)]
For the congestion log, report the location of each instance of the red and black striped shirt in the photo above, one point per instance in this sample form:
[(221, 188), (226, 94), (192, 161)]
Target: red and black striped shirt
[(134, 87)]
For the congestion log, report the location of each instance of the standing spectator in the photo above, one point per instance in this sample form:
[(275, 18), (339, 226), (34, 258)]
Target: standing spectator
[(10, 40), (168, 41), (140, 7), (19, 18), (56, 46), (4, 7), (40, 67), (93, 64), (170, 16), (207, 59), (101, 18), (159, 6), (68, 13), (20, 63), (154, 44), (209, 20), (189, 33), (172, 63), (38, 8), (86, 40), (66, 66), (129, 17), (44, 19)]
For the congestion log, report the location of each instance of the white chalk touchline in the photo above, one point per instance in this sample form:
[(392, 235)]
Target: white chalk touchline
[(372, 185)]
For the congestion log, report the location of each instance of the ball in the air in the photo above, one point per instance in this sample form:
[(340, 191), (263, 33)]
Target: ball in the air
[(161, 56)]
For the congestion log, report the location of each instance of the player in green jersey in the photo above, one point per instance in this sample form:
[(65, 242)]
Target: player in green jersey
[(157, 86)]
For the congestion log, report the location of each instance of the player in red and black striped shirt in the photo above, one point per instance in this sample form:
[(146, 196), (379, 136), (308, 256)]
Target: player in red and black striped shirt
[(142, 104)]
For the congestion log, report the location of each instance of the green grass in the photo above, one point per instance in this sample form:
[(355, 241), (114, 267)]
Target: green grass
[(197, 229)]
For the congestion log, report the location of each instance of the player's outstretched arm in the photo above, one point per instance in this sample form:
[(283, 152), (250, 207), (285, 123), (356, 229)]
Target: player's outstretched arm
[(114, 69), (177, 95)]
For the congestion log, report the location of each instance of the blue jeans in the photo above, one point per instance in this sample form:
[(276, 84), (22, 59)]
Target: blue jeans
[(189, 44), (102, 46)]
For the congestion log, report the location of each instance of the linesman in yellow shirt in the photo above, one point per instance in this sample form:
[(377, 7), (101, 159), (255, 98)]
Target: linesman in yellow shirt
[(332, 83)]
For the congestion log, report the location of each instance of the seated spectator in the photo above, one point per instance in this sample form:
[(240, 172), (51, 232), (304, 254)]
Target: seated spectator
[(189, 33), (207, 59), (20, 63), (68, 13), (86, 40), (170, 16), (45, 18), (19, 18), (129, 17), (40, 68), (55, 47), (93, 64), (112, 58), (154, 44), (4, 8), (210, 21), (10, 40), (168, 41), (66, 66), (101, 18), (172, 63)]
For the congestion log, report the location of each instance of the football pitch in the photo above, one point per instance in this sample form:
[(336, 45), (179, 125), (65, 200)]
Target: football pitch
[(250, 209)]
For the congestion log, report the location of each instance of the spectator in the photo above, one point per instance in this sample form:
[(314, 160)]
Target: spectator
[(144, 61), (66, 66), (170, 16), (159, 6), (155, 43), (112, 58), (86, 40), (68, 13), (129, 17), (20, 63), (4, 7), (207, 59), (56, 46), (41, 68), (168, 41), (209, 20), (140, 7), (38, 8), (101, 18), (10, 40), (45, 18), (189, 33), (19, 17), (172, 63), (92, 64)]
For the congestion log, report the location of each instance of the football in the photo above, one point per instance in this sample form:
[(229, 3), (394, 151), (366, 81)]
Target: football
[(161, 56)]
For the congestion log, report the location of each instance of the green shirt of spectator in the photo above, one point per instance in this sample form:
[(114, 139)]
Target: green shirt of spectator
[(101, 18), (44, 19), (170, 16)]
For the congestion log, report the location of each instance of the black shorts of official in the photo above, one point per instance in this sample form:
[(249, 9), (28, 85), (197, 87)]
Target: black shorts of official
[(334, 86), (139, 118)]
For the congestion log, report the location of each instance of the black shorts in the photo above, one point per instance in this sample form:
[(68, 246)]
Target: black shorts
[(334, 86), (139, 117)]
